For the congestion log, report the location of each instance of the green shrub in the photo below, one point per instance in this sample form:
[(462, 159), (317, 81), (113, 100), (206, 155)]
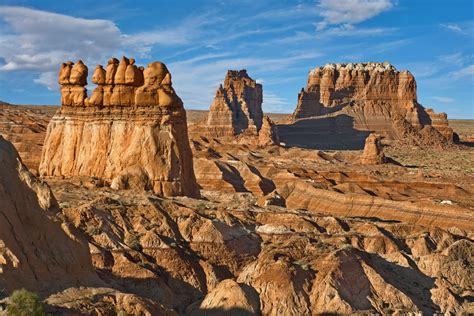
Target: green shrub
[(24, 303)]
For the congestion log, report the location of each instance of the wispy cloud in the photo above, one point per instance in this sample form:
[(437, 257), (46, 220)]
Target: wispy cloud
[(453, 27), (464, 72), (40, 40), (390, 45), (443, 99), (197, 78), (453, 59), (272, 103), (48, 79)]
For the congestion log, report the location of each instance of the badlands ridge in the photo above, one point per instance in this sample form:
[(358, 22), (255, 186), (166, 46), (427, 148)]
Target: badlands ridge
[(361, 201)]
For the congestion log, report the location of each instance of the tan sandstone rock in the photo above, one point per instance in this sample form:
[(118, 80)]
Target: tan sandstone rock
[(372, 154), (237, 111), (38, 250), (351, 98), (145, 146), (230, 298)]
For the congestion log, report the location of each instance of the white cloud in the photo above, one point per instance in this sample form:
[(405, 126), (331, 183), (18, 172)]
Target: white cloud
[(453, 27), (464, 72), (273, 103), (48, 79), (453, 59), (39, 40), (349, 12), (443, 99)]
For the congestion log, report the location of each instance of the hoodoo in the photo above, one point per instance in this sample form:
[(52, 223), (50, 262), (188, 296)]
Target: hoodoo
[(353, 99), (236, 113), (131, 132)]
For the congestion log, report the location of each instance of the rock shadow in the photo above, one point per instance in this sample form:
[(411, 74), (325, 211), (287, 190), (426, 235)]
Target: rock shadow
[(412, 282), (233, 177), (325, 133)]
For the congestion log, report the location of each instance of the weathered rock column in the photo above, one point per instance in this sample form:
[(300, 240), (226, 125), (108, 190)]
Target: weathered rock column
[(131, 132)]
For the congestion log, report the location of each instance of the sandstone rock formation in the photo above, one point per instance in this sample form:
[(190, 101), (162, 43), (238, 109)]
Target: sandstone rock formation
[(230, 298), (25, 127), (226, 255), (132, 129), (336, 183), (372, 154), (102, 301), (351, 98), (38, 250), (237, 111)]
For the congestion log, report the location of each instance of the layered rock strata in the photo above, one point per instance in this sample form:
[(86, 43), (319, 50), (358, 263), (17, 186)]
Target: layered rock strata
[(237, 111), (370, 95), (132, 131)]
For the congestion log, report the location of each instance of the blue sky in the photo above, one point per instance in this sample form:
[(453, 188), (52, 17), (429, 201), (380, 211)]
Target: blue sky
[(278, 42)]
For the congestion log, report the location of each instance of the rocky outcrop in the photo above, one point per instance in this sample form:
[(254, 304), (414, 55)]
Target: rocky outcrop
[(268, 134), (237, 105), (372, 154), (131, 132), (230, 298), (38, 250), (102, 301), (237, 111), (300, 194), (25, 127), (369, 95)]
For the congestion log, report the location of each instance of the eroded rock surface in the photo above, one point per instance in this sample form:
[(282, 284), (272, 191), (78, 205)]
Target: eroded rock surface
[(236, 111), (226, 255), (134, 134), (351, 99), (373, 153), (38, 249)]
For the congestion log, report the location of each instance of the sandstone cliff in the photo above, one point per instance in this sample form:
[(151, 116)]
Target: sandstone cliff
[(365, 97), (38, 250), (237, 111), (131, 132)]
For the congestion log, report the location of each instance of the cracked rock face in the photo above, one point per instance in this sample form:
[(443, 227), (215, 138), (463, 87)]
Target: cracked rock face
[(37, 249)]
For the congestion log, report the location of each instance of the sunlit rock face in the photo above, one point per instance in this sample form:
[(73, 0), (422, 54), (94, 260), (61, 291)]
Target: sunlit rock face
[(236, 113), (371, 95), (131, 131)]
